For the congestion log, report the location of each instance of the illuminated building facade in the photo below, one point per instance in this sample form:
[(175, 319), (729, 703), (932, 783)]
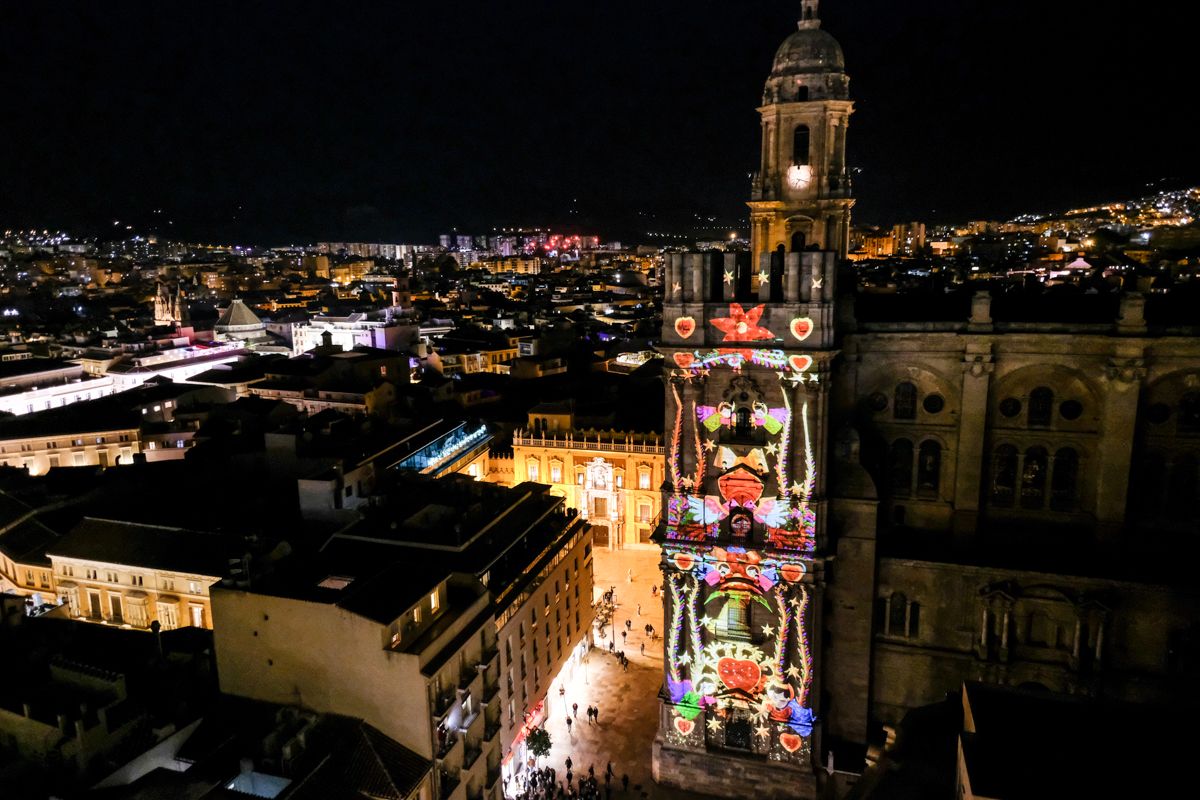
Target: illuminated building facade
[(801, 193), (743, 533), (612, 477), (131, 575), (865, 507)]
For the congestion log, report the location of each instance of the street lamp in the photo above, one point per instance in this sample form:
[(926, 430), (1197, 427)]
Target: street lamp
[(612, 615)]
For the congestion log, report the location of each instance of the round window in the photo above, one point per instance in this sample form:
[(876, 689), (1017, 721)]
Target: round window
[(1158, 413), (1071, 409), (1010, 406), (878, 401), (934, 404)]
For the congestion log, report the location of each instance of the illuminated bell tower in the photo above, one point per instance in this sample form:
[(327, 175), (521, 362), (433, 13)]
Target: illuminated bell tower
[(801, 194)]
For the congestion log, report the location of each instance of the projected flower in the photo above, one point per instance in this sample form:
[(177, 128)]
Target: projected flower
[(742, 325)]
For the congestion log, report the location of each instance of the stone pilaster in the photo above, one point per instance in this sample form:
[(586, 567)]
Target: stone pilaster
[(1123, 384), (977, 368)]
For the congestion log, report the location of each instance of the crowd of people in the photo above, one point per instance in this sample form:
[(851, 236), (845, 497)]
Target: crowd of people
[(547, 783), (562, 783)]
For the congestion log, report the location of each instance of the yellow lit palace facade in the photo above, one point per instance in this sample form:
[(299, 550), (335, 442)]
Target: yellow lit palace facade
[(613, 477)]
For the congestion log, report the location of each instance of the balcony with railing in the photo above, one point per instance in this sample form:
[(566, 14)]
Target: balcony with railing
[(449, 783), (450, 747), (471, 680), (471, 753), (491, 688), (443, 701), (599, 441)]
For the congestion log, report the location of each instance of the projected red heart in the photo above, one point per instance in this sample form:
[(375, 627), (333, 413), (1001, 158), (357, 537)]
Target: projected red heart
[(791, 572), (739, 673), (802, 328), (799, 363), (684, 360)]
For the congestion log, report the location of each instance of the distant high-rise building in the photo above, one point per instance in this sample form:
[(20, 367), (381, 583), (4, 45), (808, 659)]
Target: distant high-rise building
[(908, 238)]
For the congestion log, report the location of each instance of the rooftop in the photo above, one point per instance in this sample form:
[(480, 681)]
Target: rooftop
[(149, 546)]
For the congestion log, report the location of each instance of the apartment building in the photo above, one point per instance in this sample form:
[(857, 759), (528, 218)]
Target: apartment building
[(400, 618)]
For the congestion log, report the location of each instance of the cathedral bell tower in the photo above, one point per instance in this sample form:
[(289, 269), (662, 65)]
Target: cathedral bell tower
[(749, 345), (801, 194)]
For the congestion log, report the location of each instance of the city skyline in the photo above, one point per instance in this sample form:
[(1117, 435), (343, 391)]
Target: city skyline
[(402, 123)]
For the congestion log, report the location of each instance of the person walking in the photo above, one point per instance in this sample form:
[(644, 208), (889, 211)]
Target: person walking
[(629, 576), (623, 635), (575, 710), (568, 726), (643, 648), (568, 762), (639, 609), (625, 782), (596, 714)]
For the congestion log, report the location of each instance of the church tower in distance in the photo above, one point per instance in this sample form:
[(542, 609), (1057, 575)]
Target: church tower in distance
[(800, 197), (749, 344)]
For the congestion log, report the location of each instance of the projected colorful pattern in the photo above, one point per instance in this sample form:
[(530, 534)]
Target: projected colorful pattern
[(739, 534)]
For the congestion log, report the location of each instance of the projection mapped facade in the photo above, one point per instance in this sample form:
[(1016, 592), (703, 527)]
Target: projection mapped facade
[(750, 340)]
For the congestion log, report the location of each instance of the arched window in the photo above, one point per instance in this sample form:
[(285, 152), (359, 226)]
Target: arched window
[(1004, 476), (1181, 489), (1041, 406), (900, 467), (1033, 478), (1064, 481), (1189, 413), (1148, 482), (741, 424), (800, 145), (929, 469), (904, 405), (898, 615), (798, 242)]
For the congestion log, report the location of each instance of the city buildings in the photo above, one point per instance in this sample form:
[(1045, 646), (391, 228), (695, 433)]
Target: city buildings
[(402, 618)]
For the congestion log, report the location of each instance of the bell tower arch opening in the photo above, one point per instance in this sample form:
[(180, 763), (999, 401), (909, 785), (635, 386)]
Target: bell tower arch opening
[(800, 146)]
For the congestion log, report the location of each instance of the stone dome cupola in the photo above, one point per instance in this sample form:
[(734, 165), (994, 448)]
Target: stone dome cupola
[(809, 65)]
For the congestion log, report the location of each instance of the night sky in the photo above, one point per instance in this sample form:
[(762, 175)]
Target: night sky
[(291, 122)]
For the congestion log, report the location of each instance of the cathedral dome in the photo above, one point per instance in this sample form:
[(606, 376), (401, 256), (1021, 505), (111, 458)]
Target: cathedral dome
[(807, 51), (809, 65)]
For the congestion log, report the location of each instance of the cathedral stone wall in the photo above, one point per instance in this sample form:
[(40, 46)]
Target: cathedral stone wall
[(730, 776), (1088, 636)]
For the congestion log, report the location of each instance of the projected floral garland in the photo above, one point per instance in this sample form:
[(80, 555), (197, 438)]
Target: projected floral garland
[(739, 536)]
